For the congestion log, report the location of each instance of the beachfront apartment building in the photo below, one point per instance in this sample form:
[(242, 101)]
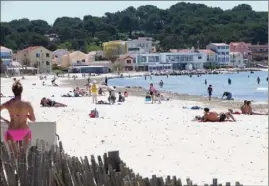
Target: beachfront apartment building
[(223, 53), (36, 56), (236, 59), (6, 55), (75, 58), (179, 59), (241, 47), (57, 56), (258, 52), (141, 45), (211, 58)]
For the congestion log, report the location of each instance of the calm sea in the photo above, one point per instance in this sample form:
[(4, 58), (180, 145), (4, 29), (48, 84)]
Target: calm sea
[(242, 87)]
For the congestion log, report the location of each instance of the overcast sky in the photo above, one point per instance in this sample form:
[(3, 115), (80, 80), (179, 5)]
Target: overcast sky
[(50, 10)]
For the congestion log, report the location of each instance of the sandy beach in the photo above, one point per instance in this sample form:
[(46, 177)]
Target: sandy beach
[(157, 139)]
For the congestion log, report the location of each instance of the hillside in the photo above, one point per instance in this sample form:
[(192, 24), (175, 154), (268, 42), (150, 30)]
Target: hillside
[(182, 25)]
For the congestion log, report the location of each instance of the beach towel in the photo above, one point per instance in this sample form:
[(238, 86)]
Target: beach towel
[(193, 107)]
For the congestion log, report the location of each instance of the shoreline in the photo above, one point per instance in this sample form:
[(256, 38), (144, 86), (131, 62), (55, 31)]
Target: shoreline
[(141, 92)]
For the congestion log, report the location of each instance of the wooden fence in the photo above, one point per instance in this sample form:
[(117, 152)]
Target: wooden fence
[(53, 167)]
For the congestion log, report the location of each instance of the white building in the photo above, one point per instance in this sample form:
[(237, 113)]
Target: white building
[(236, 59), (139, 46), (223, 53), (6, 55), (182, 59)]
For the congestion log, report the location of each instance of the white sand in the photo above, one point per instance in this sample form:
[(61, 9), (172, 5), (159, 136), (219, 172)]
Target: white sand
[(157, 139)]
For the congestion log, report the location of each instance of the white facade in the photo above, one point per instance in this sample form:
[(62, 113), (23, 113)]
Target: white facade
[(236, 59), (6, 55), (139, 46), (223, 52), (179, 60)]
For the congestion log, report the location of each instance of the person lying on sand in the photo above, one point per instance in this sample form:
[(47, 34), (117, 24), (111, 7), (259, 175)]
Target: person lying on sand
[(248, 109), (215, 117), (45, 102), (67, 95), (101, 102)]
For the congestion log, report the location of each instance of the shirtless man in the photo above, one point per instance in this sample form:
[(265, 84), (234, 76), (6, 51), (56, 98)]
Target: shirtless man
[(242, 108), (215, 117), (19, 111), (248, 109)]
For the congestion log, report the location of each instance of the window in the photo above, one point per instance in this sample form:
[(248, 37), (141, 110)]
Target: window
[(47, 63), (47, 55), (83, 60), (129, 61), (37, 55), (199, 57), (218, 47), (227, 53)]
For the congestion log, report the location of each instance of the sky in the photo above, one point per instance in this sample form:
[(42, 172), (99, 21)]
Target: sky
[(50, 10)]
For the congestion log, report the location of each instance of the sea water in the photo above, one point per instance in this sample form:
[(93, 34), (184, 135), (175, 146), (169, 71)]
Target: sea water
[(244, 84)]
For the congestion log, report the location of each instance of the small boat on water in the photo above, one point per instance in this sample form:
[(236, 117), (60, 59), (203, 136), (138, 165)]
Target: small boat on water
[(251, 72)]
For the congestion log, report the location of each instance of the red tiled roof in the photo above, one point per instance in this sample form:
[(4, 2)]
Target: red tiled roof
[(124, 57), (208, 51)]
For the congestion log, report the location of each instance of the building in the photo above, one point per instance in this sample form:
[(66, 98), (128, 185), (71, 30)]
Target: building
[(258, 52), (76, 58), (127, 62), (180, 59), (6, 55), (211, 58), (140, 46), (36, 56), (57, 56), (236, 59), (241, 47), (223, 53), (186, 59)]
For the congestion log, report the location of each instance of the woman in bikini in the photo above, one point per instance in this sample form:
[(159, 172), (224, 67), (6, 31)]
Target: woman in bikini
[(19, 111)]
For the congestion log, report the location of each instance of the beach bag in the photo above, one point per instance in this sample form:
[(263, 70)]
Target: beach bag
[(94, 114)]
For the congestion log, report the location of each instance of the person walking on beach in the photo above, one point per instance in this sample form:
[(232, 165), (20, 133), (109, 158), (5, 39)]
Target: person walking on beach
[(94, 92), (106, 81), (209, 90), (229, 81), (258, 80), (19, 111), (205, 82), (152, 91)]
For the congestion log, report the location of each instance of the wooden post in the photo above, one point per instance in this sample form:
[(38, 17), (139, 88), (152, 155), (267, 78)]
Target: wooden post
[(114, 160)]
